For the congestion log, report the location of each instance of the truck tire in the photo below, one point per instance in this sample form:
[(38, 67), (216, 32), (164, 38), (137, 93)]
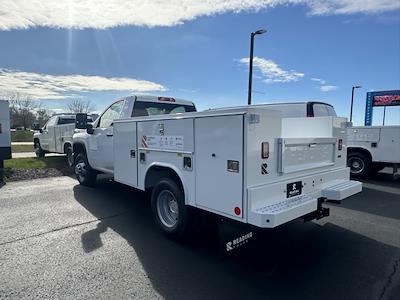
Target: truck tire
[(84, 173), (70, 156), (169, 211), (360, 164), (38, 149)]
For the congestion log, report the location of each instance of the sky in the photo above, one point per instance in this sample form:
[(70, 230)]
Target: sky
[(56, 51)]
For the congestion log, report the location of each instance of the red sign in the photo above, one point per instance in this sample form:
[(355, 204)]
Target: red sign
[(387, 100)]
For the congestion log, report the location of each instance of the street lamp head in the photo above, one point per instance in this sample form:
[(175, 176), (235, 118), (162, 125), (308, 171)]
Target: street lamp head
[(260, 31), (357, 86)]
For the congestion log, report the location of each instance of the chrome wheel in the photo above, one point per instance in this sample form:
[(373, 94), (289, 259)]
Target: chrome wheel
[(356, 165), (167, 208), (80, 170), (70, 157)]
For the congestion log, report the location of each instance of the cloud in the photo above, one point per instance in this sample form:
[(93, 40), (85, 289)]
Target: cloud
[(321, 81), (328, 88), (100, 14), (327, 7), (45, 86), (271, 72)]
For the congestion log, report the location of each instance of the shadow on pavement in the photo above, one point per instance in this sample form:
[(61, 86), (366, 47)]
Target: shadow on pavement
[(296, 261), (376, 201)]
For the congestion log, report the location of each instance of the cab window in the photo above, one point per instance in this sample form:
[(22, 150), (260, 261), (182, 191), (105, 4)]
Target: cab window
[(50, 122), (143, 108), (323, 110), (63, 121), (112, 113)]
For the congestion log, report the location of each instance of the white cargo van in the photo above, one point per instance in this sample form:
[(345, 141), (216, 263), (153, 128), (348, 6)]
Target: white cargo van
[(5, 135), (244, 164)]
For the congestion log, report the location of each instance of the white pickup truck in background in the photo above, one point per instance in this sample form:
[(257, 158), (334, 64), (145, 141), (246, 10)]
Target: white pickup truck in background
[(5, 136), (56, 136), (243, 164), (372, 148)]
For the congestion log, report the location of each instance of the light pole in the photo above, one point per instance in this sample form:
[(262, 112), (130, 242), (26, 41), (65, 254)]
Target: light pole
[(352, 100), (260, 31)]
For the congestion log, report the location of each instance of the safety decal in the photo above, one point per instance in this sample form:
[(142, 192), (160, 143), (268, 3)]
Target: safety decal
[(164, 142), (144, 142)]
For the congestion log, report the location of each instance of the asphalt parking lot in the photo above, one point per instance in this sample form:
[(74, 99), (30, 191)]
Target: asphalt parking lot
[(62, 240)]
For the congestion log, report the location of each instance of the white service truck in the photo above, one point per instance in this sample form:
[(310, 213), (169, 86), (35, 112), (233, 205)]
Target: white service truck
[(5, 136), (56, 136), (243, 164), (372, 148)]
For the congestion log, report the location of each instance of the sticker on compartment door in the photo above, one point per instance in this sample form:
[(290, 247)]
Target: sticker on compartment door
[(164, 142)]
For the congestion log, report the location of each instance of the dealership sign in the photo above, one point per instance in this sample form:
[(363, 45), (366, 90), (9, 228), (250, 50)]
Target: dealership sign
[(382, 98)]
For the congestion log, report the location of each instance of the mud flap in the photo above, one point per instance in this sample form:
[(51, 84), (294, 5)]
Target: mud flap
[(234, 236)]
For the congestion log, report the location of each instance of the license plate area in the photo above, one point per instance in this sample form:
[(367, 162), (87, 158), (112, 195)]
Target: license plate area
[(293, 189)]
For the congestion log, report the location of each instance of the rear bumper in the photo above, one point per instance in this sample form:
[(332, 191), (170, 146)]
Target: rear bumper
[(268, 206)]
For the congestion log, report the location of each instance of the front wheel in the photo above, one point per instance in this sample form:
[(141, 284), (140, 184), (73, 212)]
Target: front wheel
[(84, 173), (70, 157), (169, 210), (38, 149)]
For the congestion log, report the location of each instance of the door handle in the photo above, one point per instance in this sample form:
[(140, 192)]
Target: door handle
[(109, 134)]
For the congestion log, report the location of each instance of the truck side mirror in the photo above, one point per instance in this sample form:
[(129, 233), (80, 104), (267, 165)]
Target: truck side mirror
[(36, 126), (89, 128), (81, 121)]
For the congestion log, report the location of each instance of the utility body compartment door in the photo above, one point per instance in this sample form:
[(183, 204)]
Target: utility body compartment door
[(219, 164), (388, 147), (125, 153)]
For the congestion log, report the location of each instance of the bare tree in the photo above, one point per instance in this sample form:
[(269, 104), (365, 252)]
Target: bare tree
[(42, 115), (80, 106), (22, 109)]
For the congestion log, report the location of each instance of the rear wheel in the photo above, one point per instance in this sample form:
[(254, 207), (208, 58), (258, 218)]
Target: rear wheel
[(169, 210), (360, 164), (84, 173), (38, 149)]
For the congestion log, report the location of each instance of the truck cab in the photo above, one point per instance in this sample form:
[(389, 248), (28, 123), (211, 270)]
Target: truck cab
[(96, 143)]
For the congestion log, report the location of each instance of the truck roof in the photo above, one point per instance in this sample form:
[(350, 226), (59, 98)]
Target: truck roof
[(149, 98), (277, 104)]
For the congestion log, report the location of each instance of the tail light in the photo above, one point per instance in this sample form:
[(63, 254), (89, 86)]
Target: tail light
[(264, 150), (340, 144)]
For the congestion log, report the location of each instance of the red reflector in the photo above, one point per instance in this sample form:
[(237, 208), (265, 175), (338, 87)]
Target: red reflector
[(340, 144), (237, 211), (167, 99)]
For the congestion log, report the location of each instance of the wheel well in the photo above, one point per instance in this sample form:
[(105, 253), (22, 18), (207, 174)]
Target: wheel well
[(359, 150), (78, 148), (66, 146), (155, 173)]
